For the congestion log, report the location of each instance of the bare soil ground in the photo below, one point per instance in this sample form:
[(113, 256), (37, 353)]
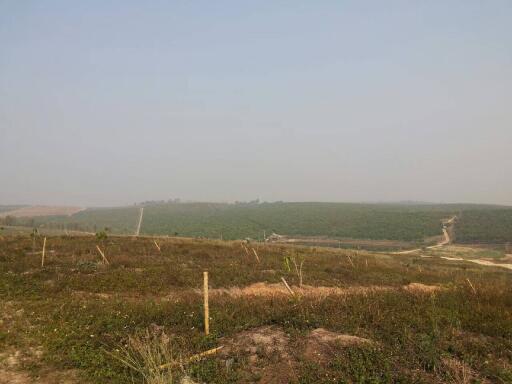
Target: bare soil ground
[(323, 241), (477, 255), (260, 345), (41, 210)]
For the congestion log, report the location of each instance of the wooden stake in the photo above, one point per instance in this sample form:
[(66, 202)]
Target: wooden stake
[(157, 246), (256, 254), (351, 262), (192, 358), (206, 308), (287, 286), (105, 260), (471, 285), (44, 249), (298, 269)]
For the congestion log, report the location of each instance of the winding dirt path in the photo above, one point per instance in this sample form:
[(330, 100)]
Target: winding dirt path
[(446, 224)]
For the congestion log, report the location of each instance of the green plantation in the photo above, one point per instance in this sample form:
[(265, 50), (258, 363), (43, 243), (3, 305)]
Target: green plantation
[(336, 220), (400, 222), (485, 226)]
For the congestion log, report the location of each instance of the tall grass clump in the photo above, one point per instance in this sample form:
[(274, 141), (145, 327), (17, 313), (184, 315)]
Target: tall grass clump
[(144, 353)]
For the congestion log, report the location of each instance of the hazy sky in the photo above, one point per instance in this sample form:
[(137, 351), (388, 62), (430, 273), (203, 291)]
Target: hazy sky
[(112, 102)]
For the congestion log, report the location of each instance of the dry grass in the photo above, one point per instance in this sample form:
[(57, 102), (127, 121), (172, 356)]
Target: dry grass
[(144, 353)]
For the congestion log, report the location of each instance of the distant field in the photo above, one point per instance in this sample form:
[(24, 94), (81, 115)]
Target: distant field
[(39, 210), (6, 208), (419, 224), (121, 220), (25, 231)]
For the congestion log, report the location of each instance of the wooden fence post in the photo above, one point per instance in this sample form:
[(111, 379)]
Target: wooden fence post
[(206, 308)]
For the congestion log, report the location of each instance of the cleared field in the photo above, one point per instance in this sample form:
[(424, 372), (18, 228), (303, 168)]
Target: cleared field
[(359, 317), (40, 210), (120, 220), (5, 208), (24, 231), (375, 245)]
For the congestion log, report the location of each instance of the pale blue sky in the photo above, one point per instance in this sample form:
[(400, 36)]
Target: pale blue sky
[(112, 102)]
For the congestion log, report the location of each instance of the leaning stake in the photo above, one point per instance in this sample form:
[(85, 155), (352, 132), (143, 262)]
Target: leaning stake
[(192, 358), (105, 260), (206, 309), (44, 248), (256, 254), (287, 286), (471, 285)]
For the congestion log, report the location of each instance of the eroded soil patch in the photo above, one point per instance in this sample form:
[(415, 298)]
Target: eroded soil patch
[(272, 356)]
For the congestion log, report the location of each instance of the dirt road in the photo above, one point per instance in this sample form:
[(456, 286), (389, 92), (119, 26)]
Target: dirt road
[(446, 224)]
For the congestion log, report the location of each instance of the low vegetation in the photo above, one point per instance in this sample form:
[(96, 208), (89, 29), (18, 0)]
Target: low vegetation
[(359, 317)]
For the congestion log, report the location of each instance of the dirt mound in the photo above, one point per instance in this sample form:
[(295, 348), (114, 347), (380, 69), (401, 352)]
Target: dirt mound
[(267, 340), (85, 294), (320, 343), (421, 288), (256, 289), (324, 336), (273, 356), (266, 289), (266, 350)]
